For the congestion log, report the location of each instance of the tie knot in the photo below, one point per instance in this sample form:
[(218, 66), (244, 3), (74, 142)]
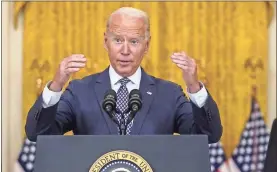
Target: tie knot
[(124, 81)]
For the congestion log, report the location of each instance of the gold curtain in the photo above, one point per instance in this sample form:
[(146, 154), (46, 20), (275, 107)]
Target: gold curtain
[(228, 39)]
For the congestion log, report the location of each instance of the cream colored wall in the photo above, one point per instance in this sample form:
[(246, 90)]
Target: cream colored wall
[(1, 125), (12, 90), (272, 71), (4, 70), (12, 81)]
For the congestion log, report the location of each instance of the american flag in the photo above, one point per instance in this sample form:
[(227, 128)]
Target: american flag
[(26, 158), (250, 153), (218, 158)]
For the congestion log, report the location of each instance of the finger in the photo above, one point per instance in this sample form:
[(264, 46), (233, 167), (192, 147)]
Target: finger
[(76, 58), (190, 60), (180, 53), (182, 62), (186, 68), (75, 65), (185, 55), (72, 70), (177, 53), (188, 57), (183, 67), (180, 57), (78, 55), (177, 57)]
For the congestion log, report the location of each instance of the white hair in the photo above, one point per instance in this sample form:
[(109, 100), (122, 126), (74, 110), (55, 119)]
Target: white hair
[(132, 12)]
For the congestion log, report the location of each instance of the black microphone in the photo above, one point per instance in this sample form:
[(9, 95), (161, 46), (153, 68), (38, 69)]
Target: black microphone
[(134, 104), (109, 104), (135, 101)]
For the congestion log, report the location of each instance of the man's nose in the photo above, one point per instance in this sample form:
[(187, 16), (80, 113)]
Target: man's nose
[(126, 49)]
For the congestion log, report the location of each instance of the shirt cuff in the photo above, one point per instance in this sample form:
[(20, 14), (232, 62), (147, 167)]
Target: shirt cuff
[(49, 97), (199, 98)]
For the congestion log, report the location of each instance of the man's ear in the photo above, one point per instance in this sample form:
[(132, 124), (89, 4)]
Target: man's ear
[(147, 45), (105, 41)]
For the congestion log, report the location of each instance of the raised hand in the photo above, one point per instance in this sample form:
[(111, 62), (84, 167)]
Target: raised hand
[(67, 67), (189, 69)]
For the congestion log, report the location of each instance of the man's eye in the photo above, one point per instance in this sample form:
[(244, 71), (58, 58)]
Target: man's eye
[(134, 41), (117, 40)]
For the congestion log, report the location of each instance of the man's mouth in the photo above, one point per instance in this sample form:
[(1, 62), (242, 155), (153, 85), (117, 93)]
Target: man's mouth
[(124, 62)]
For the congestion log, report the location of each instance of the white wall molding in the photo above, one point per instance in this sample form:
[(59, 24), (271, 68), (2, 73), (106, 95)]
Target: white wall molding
[(272, 71), (12, 86)]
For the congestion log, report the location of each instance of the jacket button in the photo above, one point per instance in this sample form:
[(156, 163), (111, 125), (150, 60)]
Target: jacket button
[(209, 114)]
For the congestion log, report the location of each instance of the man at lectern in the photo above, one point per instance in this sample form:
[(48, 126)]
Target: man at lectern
[(124, 99)]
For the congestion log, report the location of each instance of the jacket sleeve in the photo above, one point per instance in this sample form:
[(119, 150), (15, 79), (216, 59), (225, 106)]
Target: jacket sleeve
[(190, 119), (54, 120)]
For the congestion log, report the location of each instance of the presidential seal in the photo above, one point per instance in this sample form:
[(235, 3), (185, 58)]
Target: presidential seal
[(120, 161)]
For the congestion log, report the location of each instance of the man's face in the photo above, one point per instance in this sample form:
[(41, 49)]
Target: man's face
[(126, 43)]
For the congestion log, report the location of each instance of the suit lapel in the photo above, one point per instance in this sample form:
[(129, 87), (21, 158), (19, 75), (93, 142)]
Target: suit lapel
[(101, 86), (148, 91)]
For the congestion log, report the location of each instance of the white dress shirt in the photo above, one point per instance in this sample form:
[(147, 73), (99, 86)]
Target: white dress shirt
[(133, 84), (50, 98)]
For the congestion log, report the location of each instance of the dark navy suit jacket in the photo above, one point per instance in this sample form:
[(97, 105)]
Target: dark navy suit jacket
[(270, 163), (166, 111)]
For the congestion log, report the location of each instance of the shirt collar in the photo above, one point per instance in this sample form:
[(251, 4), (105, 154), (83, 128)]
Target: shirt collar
[(115, 77)]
